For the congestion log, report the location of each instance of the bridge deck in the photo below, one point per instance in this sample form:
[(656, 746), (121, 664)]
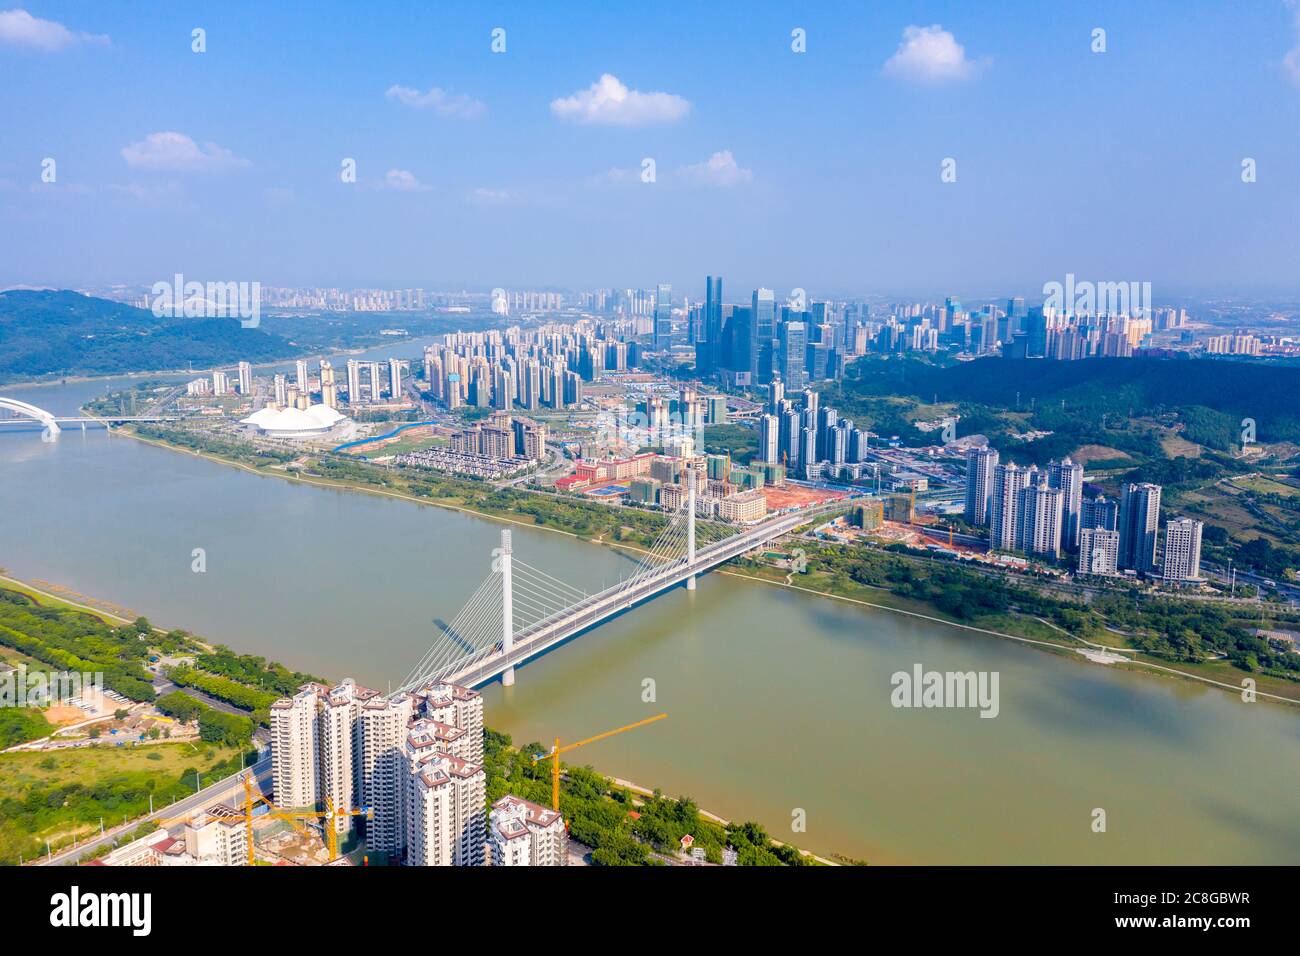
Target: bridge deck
[(545, 634)]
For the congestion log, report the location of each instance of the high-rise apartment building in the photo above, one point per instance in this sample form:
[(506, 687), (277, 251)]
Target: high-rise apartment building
[(296, 756), (354, 382), (1139, 517), (1039, 519), (446, 812), (384, 773), (1004, 505), (339, 742), (981, 464), (1098, 551), (1182, 558), (395, 379), (1067, 475)]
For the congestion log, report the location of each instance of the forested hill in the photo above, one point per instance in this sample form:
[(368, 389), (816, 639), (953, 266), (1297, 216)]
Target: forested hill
[(45, 333), (1267, 392)]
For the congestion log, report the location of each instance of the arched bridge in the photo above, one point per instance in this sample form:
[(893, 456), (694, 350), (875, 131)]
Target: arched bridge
[(52, 422), (31, 411)]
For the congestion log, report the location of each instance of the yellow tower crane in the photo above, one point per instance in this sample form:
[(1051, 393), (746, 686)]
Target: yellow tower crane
[(250, 802), (554, 755)]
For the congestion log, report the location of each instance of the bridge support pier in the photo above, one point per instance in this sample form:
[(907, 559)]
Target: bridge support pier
[(690, 526), (505, 558)]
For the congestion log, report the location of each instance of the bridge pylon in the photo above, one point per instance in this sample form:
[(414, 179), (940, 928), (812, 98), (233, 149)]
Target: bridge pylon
[(505, 559), (690, 525)]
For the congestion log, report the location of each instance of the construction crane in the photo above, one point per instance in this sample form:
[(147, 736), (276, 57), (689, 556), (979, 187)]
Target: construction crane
[(273, 812), (554, 755)]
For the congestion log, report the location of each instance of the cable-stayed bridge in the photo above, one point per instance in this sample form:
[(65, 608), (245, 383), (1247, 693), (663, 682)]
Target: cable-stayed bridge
[(520, 611)]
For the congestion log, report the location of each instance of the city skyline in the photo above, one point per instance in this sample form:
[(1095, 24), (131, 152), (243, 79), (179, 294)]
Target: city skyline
[(524, 167)]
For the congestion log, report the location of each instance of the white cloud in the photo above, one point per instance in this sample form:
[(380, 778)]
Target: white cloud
[(176, 152), (483, 194), (404, 181), (607, 102), (459, 105), (20, 28), (720, 169), (931, 55)]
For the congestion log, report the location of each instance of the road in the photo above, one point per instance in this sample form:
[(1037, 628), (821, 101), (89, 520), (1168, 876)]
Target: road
[(164, 686), (220, 792)]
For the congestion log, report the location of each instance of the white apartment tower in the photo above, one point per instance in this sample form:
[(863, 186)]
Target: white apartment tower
[(339, 727), (395, 378), (1039, 518), (1098, 551), (295, 755), (1004, 505), (384, 772), (521, 833), (445, 811), (1182, 559), (1067, 475), (981, 464)]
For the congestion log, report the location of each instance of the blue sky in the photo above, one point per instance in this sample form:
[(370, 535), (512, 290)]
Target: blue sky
[(818, 169)]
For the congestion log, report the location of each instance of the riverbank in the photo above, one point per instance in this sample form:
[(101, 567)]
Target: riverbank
[(1135, 662), (780, 701), (1034, 632), (625, 838)]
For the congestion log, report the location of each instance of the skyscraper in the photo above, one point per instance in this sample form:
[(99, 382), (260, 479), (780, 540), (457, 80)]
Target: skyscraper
[(710, 354), (762, 334), (792, 353), (663, 328), (1139, 517), (769, 444), (980, 466)]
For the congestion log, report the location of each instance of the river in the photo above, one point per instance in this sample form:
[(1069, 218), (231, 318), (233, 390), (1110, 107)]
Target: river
[(778, 702)]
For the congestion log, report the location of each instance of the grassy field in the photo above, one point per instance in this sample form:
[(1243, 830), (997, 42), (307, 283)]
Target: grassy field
[(62, 796), (1263, 485)]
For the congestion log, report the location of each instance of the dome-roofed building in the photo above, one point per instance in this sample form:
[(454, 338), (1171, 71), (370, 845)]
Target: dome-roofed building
[(294, 422)]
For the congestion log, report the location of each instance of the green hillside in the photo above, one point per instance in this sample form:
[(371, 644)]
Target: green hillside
[(1092, 388), (65, 333)]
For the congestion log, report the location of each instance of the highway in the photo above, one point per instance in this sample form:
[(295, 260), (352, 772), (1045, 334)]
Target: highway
[(229, 790)]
